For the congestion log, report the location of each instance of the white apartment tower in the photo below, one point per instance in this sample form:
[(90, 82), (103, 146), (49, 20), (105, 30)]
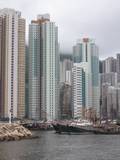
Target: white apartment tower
[(86, 60), (78, 91), (51, 68)]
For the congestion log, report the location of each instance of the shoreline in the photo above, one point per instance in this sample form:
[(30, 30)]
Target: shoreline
[(14, 132)]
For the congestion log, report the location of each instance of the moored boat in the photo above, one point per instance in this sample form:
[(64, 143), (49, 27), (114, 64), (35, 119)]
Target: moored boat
[(85, 127), (72, 127)]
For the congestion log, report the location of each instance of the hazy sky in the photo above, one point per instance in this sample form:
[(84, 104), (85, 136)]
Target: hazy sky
[(98, 19)]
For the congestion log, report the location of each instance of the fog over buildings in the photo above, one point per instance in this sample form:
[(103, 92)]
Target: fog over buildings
[(76, 19)]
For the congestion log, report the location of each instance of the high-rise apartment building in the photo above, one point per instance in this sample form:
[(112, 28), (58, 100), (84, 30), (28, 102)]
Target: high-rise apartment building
[(34, 71), (65, 101), (109, 65), (118, 63), (26, 82), (103, 105), (110, 108), (109, 82), (110, 78), (21, 68), (12, 63), (65, 74), (65, 65), (102, 67), (113, 103), (79, 91), (43, 69), (87, 54), (118, 67), (77, 56)]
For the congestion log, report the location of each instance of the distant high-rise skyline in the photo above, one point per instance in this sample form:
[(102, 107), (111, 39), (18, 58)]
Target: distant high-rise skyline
[(100, 22), (44, 73), (110, 108), (110, 87), (110, 65)]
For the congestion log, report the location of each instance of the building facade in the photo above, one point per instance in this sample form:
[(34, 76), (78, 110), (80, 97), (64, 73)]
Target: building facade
[(110, 108), (118, 63), (65, 101), (111, 78), (27, 82), (65, 66), (85, 53), (12, 56), (34, 71), (78, 90), (110, 65), (21, 68), (43, 69)]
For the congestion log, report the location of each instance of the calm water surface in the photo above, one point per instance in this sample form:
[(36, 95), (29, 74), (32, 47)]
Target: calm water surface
[(52, 146)]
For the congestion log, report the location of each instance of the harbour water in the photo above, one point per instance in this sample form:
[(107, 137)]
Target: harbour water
[(51, 146)]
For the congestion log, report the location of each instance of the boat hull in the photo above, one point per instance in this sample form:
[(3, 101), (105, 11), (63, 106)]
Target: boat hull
[(60, 128)]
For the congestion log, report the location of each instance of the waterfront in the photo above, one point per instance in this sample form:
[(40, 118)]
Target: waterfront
[(50, 146)]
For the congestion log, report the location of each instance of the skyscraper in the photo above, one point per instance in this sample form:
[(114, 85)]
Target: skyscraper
[(88, 57), (109, 86), (77, 50), (21, 68), (34, 70), (78, 90), (110, 64), (65, 86), (65, 65), (102, 66), (110, 108), (118, 67), (12, 65), (65, 101), (118, 63), (110, 78), (26, 82), (43, 69), (113, 102)]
